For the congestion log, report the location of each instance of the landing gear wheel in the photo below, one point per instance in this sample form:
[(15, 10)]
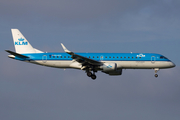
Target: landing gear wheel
[(156, 75), (89, 74), (93, 77)]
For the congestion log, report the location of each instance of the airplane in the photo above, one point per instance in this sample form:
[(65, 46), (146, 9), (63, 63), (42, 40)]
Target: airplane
[(109, 63)]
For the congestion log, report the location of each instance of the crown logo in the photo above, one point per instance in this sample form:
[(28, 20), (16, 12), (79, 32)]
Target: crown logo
[(21, 39)]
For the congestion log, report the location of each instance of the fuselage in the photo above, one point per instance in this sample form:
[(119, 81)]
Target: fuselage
[(109, 63), (123, 60)]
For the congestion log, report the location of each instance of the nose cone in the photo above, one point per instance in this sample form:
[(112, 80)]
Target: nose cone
[(172, 64)]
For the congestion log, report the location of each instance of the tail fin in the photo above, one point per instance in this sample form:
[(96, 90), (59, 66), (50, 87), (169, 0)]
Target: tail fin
[(21, 44)]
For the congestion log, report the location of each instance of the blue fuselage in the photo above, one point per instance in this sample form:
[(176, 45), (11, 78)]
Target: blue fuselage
[(123, 60)]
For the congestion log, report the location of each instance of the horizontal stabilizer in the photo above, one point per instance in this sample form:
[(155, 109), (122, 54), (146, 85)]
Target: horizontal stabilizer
[(16, 54)]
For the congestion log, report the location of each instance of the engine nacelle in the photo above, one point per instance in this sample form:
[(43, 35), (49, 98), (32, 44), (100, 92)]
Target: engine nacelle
[(108, 67), (111, 69)]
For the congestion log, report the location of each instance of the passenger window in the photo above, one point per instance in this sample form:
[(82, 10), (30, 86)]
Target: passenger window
[(57, 56), (109, 57), (132, 57), (61, 56), (117, 57), (106, 56), (128, 57), (121, 57), (64, 56), (113, 57), (124, 57), (93, 56), (139, 57), (53, 56), (49, 56)]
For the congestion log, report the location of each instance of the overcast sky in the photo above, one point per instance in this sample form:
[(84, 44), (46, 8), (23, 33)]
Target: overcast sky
[(35, 92)]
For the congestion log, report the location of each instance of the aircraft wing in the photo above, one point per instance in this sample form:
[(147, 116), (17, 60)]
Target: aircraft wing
[(81, 59)]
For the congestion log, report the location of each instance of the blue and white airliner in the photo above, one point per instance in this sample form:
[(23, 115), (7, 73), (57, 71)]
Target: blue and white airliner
[(109, 63)]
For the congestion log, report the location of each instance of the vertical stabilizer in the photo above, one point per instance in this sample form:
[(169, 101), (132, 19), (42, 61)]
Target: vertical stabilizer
[(20, 42)]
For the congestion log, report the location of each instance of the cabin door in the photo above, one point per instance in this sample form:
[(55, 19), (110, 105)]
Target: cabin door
[(153, 59), (44, 58)]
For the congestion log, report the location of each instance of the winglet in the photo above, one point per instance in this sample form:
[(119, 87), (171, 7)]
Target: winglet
[(65, 49)]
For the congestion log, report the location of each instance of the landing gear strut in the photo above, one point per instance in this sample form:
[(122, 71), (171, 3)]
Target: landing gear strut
[(156, 70)]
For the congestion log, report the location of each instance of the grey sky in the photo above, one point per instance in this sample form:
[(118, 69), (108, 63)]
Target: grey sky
[(35, 92)]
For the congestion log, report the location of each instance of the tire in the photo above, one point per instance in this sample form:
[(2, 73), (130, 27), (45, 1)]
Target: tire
[(89, 74), (93, 77), (156, 75)]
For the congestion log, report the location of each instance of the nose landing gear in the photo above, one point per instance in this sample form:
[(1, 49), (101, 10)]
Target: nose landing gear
[(156, 70)]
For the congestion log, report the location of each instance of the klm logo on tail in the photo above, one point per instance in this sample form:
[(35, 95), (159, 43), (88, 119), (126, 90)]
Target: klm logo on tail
[(21, 42)]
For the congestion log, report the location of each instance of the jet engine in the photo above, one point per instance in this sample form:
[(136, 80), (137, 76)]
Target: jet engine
[(111, 69)]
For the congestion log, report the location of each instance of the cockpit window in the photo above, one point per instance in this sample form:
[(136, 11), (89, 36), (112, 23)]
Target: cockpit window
[(162, 57)]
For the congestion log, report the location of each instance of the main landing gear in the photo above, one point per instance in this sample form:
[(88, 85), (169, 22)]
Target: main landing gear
[(156, 70), (88, 70), (93, 76)]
